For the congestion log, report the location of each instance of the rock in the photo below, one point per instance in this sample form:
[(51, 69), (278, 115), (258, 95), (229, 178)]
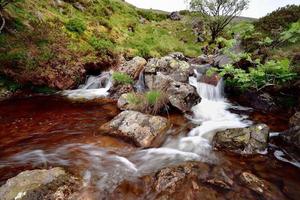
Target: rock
[(175, 16), (253, 182), (181, 95), (249, 140), (116, 91), (203, 59), (36, 184), (175, 68), (222, 60), (295, 120), (143, 130), (292, 137), (79, 6), (133, 67), (178, 56), (212, 80), (125, 104), (259, 101), (220, 178)]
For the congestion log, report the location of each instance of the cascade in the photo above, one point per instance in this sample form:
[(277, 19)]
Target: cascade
[(94, 87)]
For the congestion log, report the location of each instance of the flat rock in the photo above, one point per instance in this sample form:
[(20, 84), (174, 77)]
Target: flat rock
[(249, 140), (141, 129), (34, 184)]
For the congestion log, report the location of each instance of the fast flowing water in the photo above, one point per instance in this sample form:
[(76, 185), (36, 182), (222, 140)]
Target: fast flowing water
[(45, 131)]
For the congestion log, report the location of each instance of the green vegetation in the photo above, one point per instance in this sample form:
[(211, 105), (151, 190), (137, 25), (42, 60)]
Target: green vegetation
[(151, 102), (275, 22), (9, 84), (122, 78), (257, 77), (76, 25)]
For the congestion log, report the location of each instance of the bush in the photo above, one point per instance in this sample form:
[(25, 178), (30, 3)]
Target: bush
[(279, 19), (102, 45), (122, 78), (271, 73), (76, 25)]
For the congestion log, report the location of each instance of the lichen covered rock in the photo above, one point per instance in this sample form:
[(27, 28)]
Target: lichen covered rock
[(249, 140), (141, 129)]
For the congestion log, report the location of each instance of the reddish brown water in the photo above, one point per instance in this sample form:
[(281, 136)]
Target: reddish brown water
[(65, 133)]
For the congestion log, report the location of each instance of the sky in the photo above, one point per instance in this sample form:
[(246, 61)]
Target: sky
[(257, 8)]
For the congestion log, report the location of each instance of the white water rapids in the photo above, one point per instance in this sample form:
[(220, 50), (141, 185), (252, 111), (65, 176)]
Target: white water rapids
[(106, 169)]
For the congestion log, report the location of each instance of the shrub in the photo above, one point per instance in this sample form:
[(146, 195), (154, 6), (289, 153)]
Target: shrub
[(279, 19), (271, 73), (152, 15), (76, 25), (102, 45), (122, 78)]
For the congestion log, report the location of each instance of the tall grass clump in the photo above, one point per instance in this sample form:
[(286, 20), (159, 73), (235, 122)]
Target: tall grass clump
[(122, 78)]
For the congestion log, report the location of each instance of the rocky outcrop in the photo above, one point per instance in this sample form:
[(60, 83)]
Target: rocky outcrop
[(133, 67), (175, 16), (295, 120), (180, 95), (249, 140), (141, 129), (174, 67), (38, 184)]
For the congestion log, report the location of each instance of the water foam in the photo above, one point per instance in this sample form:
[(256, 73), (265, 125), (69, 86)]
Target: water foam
[(94, 87)]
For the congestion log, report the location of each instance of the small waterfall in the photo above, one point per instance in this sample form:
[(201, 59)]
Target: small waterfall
[(211, 114), (140, 84), (94, 87)]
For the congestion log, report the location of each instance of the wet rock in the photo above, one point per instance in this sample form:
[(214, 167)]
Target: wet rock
[(180, 95), (116, 91), (36, 184), (212, 80), (259, 101), (292, 137), (295, 120), (249, 140), (253, 182), (133, 67), (175, 16), (220, 178), (141, 129)]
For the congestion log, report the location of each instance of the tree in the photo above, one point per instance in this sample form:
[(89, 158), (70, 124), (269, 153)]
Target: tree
[(3, 3), (218, 13)]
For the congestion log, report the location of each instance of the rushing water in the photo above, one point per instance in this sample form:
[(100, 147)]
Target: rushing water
[(94, 87), (39, 132)]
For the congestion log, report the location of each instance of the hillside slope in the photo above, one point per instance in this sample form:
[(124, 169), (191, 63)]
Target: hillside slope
[(52, 42)]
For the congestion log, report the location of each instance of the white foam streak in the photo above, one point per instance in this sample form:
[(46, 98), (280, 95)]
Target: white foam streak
[(94, 87)]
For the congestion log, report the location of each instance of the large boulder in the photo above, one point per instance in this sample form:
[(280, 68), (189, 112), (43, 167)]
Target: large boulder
[(170, 65), (251, 140), (180, 95), (37, 184), (141, 129), (292, 137), (133, 67)]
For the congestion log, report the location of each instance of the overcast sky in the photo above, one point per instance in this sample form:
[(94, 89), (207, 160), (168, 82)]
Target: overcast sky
[(257, 8)]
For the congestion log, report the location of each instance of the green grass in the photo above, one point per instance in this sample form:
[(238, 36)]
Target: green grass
[(122, 78), (153, 97), (76, 25)]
